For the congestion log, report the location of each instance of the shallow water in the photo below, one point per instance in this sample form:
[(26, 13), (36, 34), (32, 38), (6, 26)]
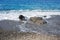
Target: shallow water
[(51, 28)]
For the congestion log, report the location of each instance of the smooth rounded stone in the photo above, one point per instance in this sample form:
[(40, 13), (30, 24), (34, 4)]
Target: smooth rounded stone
[(44, 16), (38, 20), (22, 18)]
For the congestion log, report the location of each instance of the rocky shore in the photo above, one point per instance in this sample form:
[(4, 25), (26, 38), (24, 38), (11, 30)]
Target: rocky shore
[(14, 30)]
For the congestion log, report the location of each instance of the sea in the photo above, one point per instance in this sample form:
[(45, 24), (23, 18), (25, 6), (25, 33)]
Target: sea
[(11, 9)]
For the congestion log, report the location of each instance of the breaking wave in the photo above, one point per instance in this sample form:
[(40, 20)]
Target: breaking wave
[(14, 14)]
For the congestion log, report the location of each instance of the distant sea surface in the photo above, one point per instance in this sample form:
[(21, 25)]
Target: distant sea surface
[(29, 4)]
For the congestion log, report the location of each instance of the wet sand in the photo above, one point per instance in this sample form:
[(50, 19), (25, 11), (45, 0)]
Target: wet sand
[(13, 30)]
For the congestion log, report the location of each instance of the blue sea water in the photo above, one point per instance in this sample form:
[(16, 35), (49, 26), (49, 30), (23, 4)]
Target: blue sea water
[(30, 4)]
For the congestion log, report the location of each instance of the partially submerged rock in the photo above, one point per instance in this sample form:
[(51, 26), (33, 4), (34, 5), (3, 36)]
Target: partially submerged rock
[(44, 16), (38, 20), (21, 17)]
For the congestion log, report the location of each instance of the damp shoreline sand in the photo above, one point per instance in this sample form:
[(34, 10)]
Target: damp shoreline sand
[(49, 31)]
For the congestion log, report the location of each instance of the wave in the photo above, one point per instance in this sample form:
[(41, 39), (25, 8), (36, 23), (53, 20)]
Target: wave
[(14, 14)]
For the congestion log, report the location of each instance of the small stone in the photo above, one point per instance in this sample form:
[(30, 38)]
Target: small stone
[(44, 22), (44, 16), (21, 17)]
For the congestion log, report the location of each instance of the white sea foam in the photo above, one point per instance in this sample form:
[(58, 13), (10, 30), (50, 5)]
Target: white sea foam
[(14, 14)]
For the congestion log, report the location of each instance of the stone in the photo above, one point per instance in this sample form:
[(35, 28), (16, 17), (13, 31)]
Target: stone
[(38, 20), (45, 16), (21, 17)]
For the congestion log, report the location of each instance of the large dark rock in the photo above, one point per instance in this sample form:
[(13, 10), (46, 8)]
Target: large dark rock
[(44, 16), (21, 17), (38, 20)]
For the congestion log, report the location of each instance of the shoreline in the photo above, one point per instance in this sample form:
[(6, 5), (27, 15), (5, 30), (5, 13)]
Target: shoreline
[(52, 25), (32, 31)]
